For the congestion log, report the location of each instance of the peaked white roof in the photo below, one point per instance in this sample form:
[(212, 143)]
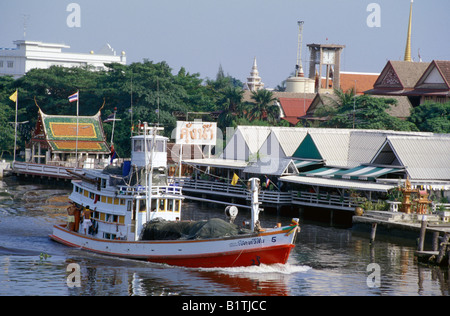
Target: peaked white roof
[(332, 144), (254, 136), (289, 138), (425, 158), (364, 144)]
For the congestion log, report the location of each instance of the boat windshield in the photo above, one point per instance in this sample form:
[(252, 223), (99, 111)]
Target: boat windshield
[(138, 145)]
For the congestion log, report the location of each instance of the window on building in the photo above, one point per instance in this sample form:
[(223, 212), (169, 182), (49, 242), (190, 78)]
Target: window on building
[(1, 63), (10, 64)]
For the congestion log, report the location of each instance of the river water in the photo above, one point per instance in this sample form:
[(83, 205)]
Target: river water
[(326, 260)]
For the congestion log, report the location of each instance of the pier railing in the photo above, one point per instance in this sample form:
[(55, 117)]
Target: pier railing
[(221, 188), (34, 169), (324, 200), (265, 196)]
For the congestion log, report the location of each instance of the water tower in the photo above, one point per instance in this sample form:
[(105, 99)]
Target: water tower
[(299, 83)]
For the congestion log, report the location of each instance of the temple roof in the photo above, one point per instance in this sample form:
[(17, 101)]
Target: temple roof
[(60, 133)]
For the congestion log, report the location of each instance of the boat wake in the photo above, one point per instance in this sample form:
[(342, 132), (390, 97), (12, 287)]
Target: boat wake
[(262, 269)]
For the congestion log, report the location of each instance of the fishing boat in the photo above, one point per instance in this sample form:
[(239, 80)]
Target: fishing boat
[(133, 212)]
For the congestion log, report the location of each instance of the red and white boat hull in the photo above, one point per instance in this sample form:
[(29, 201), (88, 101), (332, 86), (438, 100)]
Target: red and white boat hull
[(268, 247)]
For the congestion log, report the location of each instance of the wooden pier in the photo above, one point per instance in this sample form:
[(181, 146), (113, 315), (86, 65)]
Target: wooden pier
[(416, 226)]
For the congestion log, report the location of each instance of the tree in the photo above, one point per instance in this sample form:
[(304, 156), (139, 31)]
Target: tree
[(263, 108), (365, 112), (231, 104), (7, 115), (432, 117)]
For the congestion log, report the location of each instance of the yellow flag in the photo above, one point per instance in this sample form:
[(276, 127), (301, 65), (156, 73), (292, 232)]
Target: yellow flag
[(235, 179), (13, 97)]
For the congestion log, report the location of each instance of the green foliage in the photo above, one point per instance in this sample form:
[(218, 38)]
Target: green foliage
[(263, 108), (432, 117), (148, 91), (365, 112), (7, 116)]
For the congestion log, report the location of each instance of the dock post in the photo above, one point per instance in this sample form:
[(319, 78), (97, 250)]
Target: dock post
[(373, 233), (436, 241), (423, 231), (442, 248)]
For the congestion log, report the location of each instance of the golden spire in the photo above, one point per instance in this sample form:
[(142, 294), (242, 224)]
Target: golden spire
[(408, 38)]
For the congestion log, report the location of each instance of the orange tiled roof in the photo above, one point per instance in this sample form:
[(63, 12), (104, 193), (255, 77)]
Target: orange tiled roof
[(293, 108), (364, 81)]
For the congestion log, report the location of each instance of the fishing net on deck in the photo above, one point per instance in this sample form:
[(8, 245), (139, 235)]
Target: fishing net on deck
[(160, 229)]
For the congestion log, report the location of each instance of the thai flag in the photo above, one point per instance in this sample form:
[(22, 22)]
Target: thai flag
[(113, 154), (73, 97)]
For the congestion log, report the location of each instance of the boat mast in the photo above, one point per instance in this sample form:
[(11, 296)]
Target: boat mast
[(149, 174), (254, 187)]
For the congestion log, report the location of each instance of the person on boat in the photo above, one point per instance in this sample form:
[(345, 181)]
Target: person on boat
[(77, 218), (71, 216), (87, 219)]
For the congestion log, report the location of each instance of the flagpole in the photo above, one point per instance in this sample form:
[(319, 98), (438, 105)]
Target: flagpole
[(114, 123), (15, 126), (76, 142)]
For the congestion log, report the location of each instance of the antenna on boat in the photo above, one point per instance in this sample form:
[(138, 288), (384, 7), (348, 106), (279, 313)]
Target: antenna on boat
[(254, 191), (149, 174)]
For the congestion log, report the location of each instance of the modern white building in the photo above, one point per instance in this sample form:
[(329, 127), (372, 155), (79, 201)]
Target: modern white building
[(33, 54)]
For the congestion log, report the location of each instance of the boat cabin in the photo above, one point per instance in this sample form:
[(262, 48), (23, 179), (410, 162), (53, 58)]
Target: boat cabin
[(123, 199)]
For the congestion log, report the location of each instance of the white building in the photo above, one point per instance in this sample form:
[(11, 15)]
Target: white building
[(32, 54)]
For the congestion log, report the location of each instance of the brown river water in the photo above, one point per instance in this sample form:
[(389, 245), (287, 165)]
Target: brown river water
[(327, 260)]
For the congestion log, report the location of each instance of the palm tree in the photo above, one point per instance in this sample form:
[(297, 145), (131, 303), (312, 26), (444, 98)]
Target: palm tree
[(231, 102), (264, 108)]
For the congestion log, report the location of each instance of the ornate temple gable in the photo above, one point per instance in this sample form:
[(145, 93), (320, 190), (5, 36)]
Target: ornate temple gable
[(388, 78)]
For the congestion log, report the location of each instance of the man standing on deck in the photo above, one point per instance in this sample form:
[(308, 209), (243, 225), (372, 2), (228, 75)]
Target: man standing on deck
[(87, 219), (71, 216)]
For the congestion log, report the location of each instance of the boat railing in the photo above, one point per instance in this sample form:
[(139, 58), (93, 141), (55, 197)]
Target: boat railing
[(155, 190)]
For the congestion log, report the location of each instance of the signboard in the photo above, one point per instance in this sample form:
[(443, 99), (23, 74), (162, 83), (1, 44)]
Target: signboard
[(196, 133)]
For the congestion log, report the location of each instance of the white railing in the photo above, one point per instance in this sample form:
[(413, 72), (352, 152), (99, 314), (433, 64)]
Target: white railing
[(271, 197), (324, 200), (226, 189), (156, 190), (274, 197), (203, 186), (41, 170)]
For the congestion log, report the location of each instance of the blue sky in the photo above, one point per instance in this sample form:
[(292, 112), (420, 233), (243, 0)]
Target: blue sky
[(202, 34)]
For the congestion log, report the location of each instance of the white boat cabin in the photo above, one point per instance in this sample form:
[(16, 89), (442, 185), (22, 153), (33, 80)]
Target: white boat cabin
[(123, 199)]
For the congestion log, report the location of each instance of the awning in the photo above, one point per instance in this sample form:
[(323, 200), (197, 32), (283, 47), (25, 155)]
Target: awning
[(325, 172), (220, 163), (305, 163), (273, 166), (339, 183), (365, 173)]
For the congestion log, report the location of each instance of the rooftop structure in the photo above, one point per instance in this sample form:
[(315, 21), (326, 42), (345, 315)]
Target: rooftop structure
[(34, 54), (419, 81), (254, 82), (55, 140), (408, 37)]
